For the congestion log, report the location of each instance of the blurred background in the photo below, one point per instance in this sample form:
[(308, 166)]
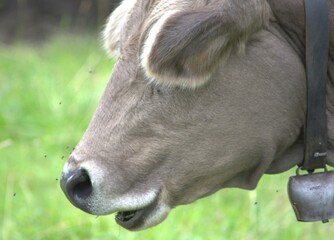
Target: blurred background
[(39, 19), (52, 74)]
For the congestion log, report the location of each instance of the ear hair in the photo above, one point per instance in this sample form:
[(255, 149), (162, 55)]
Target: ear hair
[(111, 34), (185, 48)]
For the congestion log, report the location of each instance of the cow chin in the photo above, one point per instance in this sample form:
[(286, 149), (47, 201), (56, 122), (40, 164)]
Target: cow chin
[(84, 186)]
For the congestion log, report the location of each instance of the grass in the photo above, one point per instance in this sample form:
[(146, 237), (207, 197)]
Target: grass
[(48, 93)]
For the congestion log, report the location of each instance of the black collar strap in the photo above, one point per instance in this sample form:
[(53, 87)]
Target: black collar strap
[(317, 48)]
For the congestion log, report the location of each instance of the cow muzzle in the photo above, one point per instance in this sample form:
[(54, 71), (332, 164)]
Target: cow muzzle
[(77, 186), (84, 184)]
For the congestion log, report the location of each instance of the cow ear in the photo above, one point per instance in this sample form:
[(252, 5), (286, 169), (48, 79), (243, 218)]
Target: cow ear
[(184, 48), (111, 34)]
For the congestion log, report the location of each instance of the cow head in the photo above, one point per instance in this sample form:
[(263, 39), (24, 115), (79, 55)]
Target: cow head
[(201, 98)]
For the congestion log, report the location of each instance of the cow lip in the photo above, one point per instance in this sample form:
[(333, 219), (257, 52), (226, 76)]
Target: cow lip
[(135, 219)]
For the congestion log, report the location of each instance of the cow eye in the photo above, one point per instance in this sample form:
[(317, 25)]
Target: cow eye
[(156, 90)]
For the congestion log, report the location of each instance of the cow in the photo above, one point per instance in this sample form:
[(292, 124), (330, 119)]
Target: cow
[(205, 95)]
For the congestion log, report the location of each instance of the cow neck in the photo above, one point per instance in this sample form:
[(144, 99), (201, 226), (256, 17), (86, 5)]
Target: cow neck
[(317, 48)]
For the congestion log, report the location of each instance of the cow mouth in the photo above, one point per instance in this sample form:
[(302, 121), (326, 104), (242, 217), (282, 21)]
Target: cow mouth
[(135, 219)]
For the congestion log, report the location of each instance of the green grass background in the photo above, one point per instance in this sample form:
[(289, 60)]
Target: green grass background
[(48, 93)]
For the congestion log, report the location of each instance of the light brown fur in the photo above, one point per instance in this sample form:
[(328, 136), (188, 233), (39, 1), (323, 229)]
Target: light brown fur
[(230, 118)]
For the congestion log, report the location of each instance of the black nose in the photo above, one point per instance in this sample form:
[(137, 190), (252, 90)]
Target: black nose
[(77, 187)]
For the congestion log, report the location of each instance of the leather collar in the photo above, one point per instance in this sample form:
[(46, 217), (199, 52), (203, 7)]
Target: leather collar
[(317, 49)]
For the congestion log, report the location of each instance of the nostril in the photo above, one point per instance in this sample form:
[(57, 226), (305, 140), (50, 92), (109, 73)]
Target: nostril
[(77, 186), (83, 187)]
